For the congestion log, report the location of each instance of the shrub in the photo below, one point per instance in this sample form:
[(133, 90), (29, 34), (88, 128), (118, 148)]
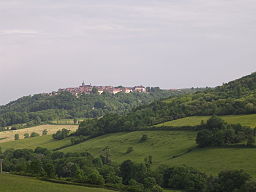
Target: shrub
[(129, 150), (26, 135), (16, 136), (61, 134), (45, 132), (34, 134), (143, 138)]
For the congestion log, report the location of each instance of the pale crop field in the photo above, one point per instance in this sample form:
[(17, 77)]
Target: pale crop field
[(6, 136)]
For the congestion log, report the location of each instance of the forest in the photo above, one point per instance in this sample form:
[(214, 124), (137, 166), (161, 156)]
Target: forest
[(39, 108), (235, 97)]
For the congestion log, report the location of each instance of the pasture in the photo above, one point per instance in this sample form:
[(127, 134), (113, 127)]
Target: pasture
[(245, 120), (9, 135), (162, 145), (170, 148), (45, 141), (14, 183)]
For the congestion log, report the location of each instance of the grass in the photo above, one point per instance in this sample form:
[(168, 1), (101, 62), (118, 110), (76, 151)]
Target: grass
[(67, 121), (246, 120), (13, 183), (214, 160), (9, 135), (31, 143), (163, 145)]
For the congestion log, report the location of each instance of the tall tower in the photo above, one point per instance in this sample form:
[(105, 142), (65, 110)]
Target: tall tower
[(83, 84)]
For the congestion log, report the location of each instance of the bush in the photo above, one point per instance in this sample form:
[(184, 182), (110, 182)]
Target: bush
[(129, 150), (26, 135), (61, 134), (143, 138), (16, 136), (34, 134), (45, 132)]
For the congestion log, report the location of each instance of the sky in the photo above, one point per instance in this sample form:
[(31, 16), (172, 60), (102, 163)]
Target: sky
[(51, 44)]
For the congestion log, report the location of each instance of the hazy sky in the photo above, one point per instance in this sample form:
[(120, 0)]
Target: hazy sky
[(51, 44)]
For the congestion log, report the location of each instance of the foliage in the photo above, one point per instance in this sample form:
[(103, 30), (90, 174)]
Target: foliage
[(34, 134), (61, 134), (218, 133), (236, 97), (16, 136), (32, 110), (45, 132)]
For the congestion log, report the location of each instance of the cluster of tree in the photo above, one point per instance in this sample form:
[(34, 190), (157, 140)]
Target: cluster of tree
[(223, 100), (128, 176), (26, 135), (31, 110), (61, 134), (216, 132)]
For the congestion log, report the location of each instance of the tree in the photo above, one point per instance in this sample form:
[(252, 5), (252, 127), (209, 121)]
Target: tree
[(129, 150), (16, 136), (143, 138), (250, 140), (34, 134), (26, 135), (94, 90), (61, 134), (127, 171), (203, 138), (229, 181), (45, 132), (215, 123)]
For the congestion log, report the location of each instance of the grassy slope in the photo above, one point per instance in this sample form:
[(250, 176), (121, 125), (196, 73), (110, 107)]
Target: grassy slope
[(162, 145), (13, 183), (246, 120), (9, 135), (31, 143)]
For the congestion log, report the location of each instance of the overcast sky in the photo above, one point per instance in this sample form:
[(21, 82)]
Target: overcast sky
[(51, 44)]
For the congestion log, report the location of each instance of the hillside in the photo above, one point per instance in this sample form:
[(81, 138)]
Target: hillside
[(234, 98), (32, 110), (13, 183), (245, 120), (171, 148)]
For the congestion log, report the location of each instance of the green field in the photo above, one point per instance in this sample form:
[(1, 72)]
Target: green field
[(67, 121), (13, 183), (31, 143), (162, 145), (246, 120)]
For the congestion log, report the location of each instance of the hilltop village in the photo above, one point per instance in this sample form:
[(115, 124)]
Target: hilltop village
[(88, 89)]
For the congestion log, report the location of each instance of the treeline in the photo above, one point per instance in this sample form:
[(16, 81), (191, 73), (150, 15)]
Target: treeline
[(128, 176), (216, 132), (236, 97), (39, 108)]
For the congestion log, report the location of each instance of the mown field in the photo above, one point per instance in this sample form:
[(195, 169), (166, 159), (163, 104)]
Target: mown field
[(246, 120), (31, 143), (13, 183), (6, 136)]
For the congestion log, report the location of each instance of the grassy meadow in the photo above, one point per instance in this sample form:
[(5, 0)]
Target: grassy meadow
[(14, 183), (245, 120), (9, 135), (163, 145), (45, 141)]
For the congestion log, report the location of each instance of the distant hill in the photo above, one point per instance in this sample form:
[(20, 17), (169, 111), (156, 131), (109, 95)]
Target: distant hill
[(32, 110), (235, 97)]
